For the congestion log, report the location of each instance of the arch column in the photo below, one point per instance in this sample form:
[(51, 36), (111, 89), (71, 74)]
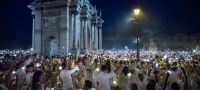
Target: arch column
[(74, 32), (94, 32), (33, 31), (100, 37), (96, 37), (99, 24), (86, 35), (84, 30)]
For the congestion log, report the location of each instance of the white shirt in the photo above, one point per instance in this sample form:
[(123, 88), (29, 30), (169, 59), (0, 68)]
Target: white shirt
[(103, 79), (21, 77), (173, 77), (181, 84), (133, 79), (29, 77), (141, 85), (66, 78)]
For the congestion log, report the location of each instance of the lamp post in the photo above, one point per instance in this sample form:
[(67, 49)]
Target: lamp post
[(136, 13)]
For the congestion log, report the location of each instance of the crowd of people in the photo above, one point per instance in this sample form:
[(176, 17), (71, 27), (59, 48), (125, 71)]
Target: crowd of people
[(100, 70)]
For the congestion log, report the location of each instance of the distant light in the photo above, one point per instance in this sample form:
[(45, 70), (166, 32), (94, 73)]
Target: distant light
[(60, 68), (23, 68), (115, 82), (156, 64), (146, 60), (38, 64), (194, 51), (170, 60), (165, 57), (129, 75), (31, 49), (13, 72), (97, 69)]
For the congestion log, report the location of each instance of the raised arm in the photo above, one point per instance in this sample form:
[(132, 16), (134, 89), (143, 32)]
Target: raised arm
[(74, 69)]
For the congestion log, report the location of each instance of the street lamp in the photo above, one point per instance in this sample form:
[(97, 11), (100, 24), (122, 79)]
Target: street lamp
[(136, 13)]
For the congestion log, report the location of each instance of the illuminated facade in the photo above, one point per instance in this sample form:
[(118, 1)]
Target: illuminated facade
[(156, 42), (63, 26), (176, 42)]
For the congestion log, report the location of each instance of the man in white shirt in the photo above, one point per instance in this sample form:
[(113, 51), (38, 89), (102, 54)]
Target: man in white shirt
[(29, 75), (65, 75), (103, 77), (20, 75), (141, 83)]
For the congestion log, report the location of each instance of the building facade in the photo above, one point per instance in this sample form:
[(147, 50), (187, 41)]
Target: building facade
[(156, 42), (64, 26)]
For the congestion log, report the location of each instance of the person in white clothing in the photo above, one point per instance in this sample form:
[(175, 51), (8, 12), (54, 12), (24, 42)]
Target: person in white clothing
[(66, 78), (29, 75), (141, 83), (103, 77)]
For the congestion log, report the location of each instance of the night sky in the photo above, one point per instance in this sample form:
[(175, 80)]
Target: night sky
[(164, 16)]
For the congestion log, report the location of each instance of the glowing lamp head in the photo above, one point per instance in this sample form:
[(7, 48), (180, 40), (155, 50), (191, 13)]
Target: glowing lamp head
[(136, 11)]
